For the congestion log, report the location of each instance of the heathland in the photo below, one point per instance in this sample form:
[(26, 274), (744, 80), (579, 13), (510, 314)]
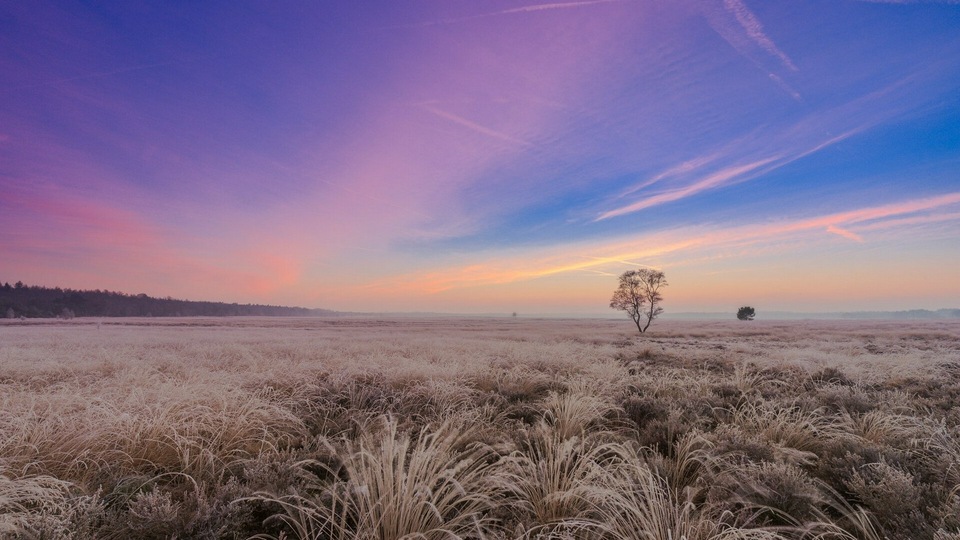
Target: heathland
[(479, 428)]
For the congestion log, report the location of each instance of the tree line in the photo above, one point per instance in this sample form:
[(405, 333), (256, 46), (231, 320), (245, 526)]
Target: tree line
[(34, 301)]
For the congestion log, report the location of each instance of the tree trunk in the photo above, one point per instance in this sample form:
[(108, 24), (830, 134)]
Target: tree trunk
[(649, 317)]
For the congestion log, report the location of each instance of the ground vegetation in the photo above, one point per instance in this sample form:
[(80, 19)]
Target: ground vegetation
[(478, 428)]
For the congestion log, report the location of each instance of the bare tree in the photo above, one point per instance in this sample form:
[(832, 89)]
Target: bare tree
[(639, 295)]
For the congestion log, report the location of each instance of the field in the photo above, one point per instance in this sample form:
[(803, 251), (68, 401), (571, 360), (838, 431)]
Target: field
[(479, 428)]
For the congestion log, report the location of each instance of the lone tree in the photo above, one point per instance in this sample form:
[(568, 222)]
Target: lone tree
[(746, 313), (639, 295)]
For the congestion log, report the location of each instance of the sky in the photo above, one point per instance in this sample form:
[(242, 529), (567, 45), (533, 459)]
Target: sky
[(485, 156)]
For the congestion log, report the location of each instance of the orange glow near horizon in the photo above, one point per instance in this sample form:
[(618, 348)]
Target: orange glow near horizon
[(578, 276), (671, 248), (453, 156)]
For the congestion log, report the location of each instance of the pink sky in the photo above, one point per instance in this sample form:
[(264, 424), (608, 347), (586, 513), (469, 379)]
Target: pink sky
[(486, 157)]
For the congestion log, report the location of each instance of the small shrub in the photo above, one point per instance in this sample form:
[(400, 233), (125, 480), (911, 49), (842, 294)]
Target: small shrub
[(396, 486), (45, 507), (645, 508), (894, 498), (154, 514), (555, 479), (829, 376), (783, 493), (643, 410)]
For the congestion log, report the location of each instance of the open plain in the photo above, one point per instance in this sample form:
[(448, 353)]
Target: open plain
[(440, 428)]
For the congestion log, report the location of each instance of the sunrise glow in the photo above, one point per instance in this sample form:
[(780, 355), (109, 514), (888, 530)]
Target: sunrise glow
[(485, 157)]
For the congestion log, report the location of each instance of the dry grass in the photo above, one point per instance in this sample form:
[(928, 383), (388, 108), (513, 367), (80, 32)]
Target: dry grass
[(478, 428), (390, 486)]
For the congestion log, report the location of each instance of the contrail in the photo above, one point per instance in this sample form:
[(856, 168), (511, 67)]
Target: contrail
[(850, 235), (733, 21), (560, 5), (476, 127), (522, 9), (711, 181), (754, 30)]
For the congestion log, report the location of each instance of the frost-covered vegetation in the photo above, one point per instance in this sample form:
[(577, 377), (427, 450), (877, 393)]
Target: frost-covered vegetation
[(484, 428)]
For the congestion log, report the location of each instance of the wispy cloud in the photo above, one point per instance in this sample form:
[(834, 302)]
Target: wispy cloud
[(740, 172), (722, 177), (688, 166), (844, 233), (77, 221), (498, 271), (554, 5), (754, 29), (476, 127), (785, 87), (742, 30), (913, 220), (875, 213), (624, 262), (523, 9), (685, 242)]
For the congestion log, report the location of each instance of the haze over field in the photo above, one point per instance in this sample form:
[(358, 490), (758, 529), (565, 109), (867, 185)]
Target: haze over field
[(486, 156)]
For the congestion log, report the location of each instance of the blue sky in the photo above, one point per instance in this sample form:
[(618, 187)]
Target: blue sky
[(485, 156)]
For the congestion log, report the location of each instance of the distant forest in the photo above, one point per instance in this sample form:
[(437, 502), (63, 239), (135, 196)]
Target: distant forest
[(21, 300)]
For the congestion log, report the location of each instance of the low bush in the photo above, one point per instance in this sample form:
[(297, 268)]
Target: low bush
[(537, 430)]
